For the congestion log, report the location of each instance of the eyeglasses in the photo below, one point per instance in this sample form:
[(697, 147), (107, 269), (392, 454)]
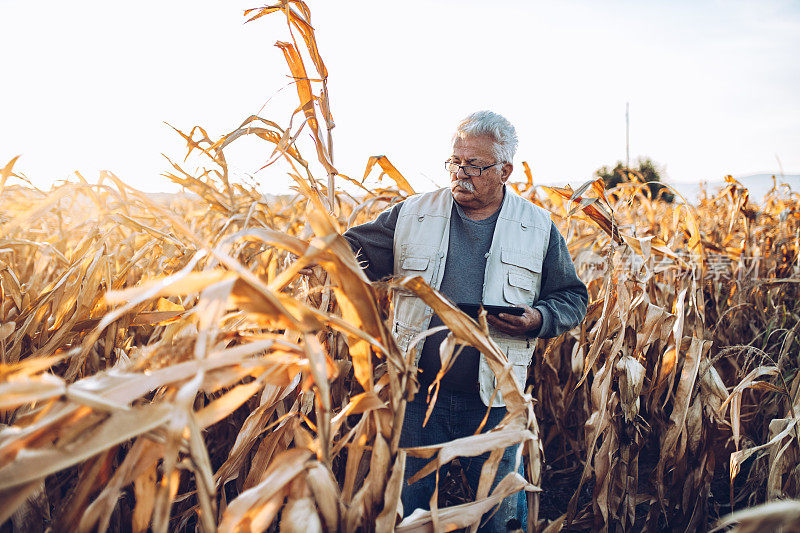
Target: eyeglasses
[(470, 170)]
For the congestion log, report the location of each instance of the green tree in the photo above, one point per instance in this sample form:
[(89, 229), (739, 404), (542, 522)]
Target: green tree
[(647, 172)]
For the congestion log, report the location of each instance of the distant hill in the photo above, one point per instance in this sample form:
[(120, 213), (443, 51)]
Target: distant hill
[(757, 184)]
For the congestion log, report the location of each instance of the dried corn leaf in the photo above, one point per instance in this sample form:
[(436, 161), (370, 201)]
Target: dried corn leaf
[(254, 508), (115, 428), (464, 515)]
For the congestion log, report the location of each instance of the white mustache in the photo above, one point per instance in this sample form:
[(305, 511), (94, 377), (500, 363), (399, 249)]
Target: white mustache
[(464, 184)]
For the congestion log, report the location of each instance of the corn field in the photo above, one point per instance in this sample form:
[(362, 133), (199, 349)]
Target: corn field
[(218, 360)]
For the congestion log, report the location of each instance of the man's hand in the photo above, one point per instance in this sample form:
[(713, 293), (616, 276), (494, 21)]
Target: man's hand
[(517, 325)]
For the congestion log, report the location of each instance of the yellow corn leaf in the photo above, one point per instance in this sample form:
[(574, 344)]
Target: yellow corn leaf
[(466, 447), (389, 169), (300, 516), (38, 209), (304, 92), (325, 490), (781, 515), (30, 389), (750, 381), (165, 305), (144, 491), (683, 397), (223, 406), (29, 367), (118, 427), (391, 503), (175, 285), (253, 507), (461, 516), (739, 457)]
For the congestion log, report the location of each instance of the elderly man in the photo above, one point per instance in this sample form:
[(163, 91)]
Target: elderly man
[(476, 242)]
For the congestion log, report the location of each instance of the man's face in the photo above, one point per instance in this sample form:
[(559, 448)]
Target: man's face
[(487, 193)]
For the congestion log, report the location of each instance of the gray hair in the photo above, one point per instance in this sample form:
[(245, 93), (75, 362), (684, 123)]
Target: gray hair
[(495, 126)]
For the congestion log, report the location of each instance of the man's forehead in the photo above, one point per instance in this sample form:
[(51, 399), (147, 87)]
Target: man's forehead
[(473, 147), (469, 138)]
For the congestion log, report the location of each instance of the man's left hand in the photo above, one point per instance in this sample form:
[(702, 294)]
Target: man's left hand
[(531, 319)]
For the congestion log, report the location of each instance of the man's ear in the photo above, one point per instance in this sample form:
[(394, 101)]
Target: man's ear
[(505, 171)]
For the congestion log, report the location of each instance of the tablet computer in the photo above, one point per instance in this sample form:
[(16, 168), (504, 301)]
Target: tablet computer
[(473, 309)]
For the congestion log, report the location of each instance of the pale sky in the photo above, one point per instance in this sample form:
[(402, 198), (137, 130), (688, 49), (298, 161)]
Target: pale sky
[(713, 86)]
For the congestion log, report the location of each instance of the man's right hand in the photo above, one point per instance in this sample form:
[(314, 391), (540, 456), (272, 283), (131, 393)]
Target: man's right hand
[(519, 326)]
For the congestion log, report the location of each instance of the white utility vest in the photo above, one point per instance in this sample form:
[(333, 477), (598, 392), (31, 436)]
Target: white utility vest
[(513, 273)]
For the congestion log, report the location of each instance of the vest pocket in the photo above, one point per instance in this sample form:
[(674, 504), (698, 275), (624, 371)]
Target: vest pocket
[(415, 263), (403, 334), (522, 272), (522, 259), (418, 260), (518, 290), (520, 359)]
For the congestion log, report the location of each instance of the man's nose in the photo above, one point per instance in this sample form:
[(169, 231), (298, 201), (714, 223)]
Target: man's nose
[(461, 174)]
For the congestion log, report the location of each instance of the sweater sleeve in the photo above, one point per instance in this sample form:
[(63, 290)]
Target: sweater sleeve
[(373, 243), (563, 297)]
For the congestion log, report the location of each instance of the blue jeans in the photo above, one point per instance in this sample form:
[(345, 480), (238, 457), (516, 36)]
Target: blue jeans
[(455, 415)]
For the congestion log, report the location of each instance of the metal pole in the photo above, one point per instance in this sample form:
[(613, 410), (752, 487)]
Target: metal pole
[(627, 139)]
